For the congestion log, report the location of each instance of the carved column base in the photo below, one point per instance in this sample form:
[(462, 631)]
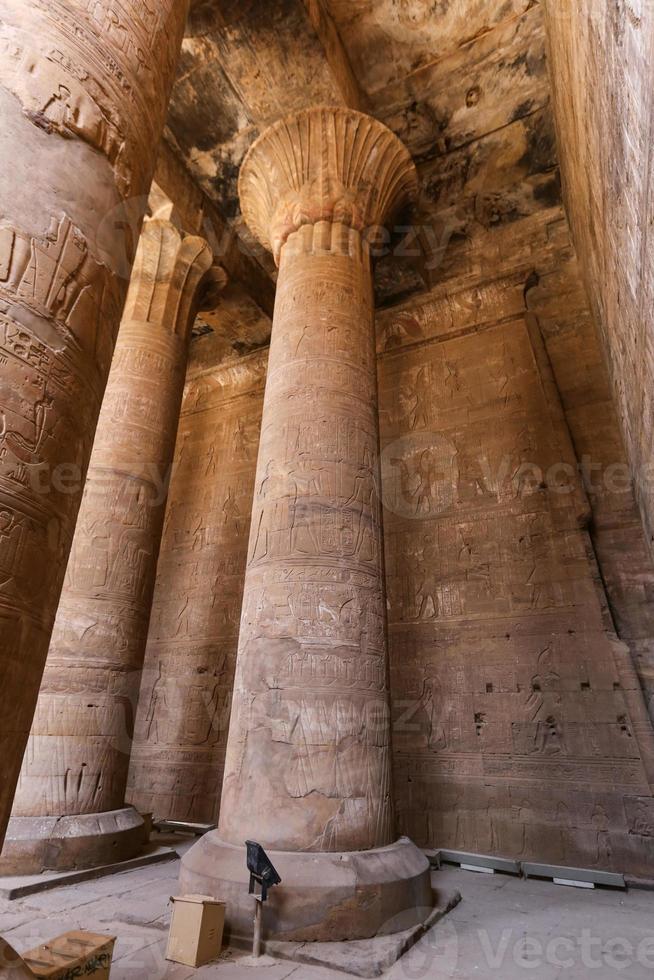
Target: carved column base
[(36, 844), (323, 896)]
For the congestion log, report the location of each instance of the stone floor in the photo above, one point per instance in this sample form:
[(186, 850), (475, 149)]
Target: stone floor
[(504, 927)]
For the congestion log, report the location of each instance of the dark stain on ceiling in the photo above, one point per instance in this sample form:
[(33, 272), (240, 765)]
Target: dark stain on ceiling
[(462, 82)]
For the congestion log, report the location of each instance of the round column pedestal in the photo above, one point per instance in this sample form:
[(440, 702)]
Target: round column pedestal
[(88, 840), (323, 896)]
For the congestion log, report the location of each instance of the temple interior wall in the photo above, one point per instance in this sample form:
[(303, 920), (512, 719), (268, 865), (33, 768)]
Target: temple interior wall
[(520, 577), (510, 575), (512, 734), (602, 74), (515, 368)]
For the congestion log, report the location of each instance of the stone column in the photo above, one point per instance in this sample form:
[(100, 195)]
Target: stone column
[(84, 86), (307, 772), (69, 810), (180, 735)]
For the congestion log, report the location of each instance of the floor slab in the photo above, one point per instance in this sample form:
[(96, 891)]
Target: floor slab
[(363, 957), (18, 886), (504, 927)]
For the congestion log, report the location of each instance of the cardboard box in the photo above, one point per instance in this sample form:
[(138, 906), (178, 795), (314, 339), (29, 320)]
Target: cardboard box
[(72, 955), (196, 929)]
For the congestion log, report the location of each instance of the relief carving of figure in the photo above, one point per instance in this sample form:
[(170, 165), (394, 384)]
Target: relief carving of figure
[(273, 525), (231, 510), (365, 497), (241, 440), (549, 738), (27, 447), (11, 538), (433, 703), (428, 581)]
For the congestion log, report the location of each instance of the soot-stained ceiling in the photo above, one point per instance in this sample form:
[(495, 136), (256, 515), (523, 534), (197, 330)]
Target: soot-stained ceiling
[(463, 83)]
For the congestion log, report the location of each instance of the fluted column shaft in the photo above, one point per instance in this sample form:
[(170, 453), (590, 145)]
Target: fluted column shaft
[(78, 752), (84, 86), (308, 761)]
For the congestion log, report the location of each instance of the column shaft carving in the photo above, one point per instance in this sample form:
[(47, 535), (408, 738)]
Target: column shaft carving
[(176, 767), (307, 771), (78, 752), (84, 86), (310, 690)]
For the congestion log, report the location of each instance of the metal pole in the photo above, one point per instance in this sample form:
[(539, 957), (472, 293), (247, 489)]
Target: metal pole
[(258, 916)]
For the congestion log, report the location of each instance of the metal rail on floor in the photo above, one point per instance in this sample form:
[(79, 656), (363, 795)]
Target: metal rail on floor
[(489, 864)]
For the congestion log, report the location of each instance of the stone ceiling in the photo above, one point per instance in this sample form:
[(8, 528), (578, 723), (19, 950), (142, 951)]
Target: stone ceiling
[(463, 82)]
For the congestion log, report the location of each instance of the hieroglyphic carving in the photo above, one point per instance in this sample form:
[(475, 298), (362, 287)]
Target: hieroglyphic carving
[(602, 73), (83, 91), (307, 764), (78, 753), (506, 683), (313, 589), (88, 70), (183, 715)]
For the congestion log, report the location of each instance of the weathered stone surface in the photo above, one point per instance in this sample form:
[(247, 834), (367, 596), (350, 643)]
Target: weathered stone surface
[(557, 298), (324, 896), (528, 268), (78, 754), (243, 67), (183, 714), (411, 35), (83, 92), (472, 79), (600, 814), (198, 214), (366, 957), (519, 726), (468, 90), (307, 757), (44, 843), (20, 886), (602, 68), (307, 769)]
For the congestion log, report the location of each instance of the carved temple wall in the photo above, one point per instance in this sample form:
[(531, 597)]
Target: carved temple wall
[(602, 72), (183, 715), (519, 598), (520, 727)]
